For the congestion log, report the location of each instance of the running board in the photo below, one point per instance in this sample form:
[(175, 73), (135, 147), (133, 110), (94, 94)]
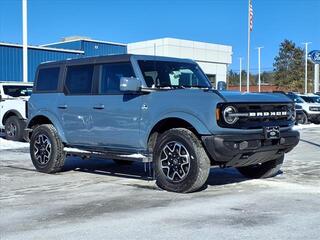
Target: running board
[(108, 155)]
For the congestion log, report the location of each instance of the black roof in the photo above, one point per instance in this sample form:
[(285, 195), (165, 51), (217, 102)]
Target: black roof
[(89, 60)]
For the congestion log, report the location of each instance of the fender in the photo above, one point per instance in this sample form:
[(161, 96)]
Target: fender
[(53, 119), (194, 121), (11, 113)]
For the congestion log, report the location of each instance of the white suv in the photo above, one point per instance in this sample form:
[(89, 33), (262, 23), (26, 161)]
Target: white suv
[(310, 104), (14, 98)]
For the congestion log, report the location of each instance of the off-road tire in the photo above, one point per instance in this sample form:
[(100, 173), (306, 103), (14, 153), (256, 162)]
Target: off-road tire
[(122, 162), (18, 125), (264, 170), (56, 158), (304, 119), (199, 162)]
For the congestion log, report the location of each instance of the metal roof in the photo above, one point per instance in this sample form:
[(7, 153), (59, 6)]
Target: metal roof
[(42, 48), (84, 39)]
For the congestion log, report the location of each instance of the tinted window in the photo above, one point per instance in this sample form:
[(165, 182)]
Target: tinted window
[(48, 79), (79, 79), (111, 75), (17, 91)]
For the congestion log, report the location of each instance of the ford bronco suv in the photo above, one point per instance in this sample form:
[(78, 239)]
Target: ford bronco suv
[(155, 109), (13, 108)]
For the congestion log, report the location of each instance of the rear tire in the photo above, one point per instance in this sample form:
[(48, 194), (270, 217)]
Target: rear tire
[(14, 128), (180, 162), (263, 170), (46, 149)]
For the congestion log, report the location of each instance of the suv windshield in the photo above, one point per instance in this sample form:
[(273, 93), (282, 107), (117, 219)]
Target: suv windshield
[(159, 74), (17, 90), (311, 99)]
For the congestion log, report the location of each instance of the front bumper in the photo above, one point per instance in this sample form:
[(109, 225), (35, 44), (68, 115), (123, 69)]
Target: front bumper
[(248, 149)]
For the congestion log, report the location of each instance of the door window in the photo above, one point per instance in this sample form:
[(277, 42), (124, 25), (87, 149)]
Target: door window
[(79, 80), (111, 75)]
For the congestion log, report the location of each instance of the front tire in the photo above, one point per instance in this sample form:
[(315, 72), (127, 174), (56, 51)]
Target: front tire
[(180, 162), (46, 149), (304, 119), (263, 170), (14, 128)]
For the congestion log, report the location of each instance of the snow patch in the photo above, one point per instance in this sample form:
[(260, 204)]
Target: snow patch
[(305, 126), (74, 150), (7, 144), (135, 155)]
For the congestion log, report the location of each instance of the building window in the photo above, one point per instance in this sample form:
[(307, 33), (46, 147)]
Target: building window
[(111, 75), (79, 80), (48, 79)]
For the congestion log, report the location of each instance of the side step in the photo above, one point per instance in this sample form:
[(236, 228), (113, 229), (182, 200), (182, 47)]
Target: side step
[(108, 155)]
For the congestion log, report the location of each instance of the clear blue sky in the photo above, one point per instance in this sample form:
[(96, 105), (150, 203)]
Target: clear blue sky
[(216, 21)]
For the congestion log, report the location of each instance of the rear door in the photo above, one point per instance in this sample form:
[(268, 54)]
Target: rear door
[(75, 105), (116, 115)]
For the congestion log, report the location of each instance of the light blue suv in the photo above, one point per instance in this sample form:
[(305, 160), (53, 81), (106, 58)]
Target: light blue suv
[(155, 109)]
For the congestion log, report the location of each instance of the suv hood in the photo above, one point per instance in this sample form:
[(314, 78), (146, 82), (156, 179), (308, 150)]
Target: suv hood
[(233, 96)]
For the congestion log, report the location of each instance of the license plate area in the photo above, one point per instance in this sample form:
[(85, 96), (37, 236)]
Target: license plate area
[(272, 132)]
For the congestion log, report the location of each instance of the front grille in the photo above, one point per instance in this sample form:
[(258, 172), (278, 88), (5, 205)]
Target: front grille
[(259, 115)]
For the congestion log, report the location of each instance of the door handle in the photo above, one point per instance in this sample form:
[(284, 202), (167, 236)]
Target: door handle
[(99, 107), (63, 106)]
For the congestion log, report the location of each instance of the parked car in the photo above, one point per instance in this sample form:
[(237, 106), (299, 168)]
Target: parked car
[(13, 108), (310, 104), (155, 109), (301, 117)]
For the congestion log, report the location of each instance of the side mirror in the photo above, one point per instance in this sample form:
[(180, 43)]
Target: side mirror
[(130, 84), (221, 86)]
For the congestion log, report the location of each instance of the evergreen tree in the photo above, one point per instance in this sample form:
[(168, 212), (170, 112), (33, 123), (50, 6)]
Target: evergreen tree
[(289, 67)]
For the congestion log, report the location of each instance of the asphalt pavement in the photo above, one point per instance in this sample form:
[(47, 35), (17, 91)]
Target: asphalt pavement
[(97, 199)]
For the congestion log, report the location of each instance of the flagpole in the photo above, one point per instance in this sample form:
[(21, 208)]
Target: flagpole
[(24, 42), (240, 82), (248, 48)]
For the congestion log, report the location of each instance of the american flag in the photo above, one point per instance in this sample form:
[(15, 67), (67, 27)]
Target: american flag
[(251, 15)]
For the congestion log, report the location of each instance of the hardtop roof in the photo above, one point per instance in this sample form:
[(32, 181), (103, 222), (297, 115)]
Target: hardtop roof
[(110, 59)]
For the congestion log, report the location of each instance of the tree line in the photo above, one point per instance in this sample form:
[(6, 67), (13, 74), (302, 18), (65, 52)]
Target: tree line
[(288, 70)]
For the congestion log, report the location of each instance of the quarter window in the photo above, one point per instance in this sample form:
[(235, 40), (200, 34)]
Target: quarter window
[(48, 79), (79, 80), (111, 75)]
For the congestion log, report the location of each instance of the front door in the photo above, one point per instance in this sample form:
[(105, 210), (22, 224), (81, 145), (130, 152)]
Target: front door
[(116, 115)]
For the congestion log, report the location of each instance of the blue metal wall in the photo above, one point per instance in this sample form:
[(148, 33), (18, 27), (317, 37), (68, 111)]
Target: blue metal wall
[(11, 56), (11, 61), (92, 48)]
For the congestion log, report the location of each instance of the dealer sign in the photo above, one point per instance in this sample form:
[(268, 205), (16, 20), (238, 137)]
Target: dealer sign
[(314, 56)]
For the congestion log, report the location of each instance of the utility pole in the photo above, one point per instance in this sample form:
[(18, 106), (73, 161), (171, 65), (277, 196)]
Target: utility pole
[(240, 82), (259, 68), (25, 40), (248, 47), (306, 68)]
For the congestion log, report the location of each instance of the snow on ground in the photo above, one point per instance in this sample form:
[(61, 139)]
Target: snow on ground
[(6, 144), (304, 126)]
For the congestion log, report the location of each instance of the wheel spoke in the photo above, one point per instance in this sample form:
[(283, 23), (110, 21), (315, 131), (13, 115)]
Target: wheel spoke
[(175, 161), (42, 146)]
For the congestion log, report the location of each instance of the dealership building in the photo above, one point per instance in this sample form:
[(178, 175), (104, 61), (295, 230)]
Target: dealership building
[(212, 58)]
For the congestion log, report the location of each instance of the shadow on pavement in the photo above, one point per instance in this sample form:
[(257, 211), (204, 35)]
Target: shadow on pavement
[(137, 170)]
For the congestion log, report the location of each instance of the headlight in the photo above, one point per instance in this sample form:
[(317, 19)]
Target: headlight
[(227, 115)]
